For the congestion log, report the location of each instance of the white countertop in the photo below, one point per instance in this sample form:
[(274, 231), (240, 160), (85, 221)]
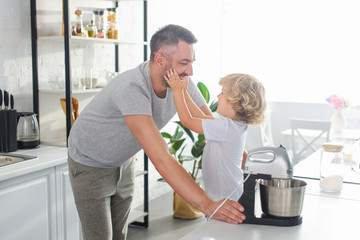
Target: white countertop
[(325, 216), (47, 156)]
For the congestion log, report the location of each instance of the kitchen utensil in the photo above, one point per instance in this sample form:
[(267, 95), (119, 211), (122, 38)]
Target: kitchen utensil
[(75, 108), (11, 101), (6, 100), (2, 133), (27, 130), (1, 99), (282, 197), (8, 122), (271, 166)]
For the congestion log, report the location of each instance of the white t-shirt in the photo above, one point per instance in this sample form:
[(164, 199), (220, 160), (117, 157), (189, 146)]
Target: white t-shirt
[(100, 136), (222, 157)]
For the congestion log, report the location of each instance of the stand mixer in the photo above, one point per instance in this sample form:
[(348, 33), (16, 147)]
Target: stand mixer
[(269, 165)]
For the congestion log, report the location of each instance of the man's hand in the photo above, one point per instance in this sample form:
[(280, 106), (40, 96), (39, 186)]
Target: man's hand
[(230, 211)]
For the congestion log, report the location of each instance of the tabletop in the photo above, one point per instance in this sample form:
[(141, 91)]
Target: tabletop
[(326, 216)]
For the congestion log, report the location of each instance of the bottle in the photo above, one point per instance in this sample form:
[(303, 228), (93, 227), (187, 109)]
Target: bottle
[(91, 29), (78, 23), (99, 22), (112, 31), (331, 167)]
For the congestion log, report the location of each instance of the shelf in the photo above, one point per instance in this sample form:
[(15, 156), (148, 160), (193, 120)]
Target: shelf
[(140, 173), (40, 36), (89, 39), (135, 215), (76, 91)]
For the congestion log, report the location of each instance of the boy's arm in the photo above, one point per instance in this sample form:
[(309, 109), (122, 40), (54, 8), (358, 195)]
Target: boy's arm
[(179, 89), (195, 111)]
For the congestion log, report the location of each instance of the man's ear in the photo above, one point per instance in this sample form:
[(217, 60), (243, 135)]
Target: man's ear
[(160, 59)]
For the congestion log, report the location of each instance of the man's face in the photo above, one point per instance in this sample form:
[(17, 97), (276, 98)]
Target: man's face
[(181, 61)]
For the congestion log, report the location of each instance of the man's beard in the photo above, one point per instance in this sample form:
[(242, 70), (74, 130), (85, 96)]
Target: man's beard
[(164, 82), (181, 75)]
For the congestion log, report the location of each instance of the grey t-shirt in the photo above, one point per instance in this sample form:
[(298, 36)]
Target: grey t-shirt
[(100, 136)]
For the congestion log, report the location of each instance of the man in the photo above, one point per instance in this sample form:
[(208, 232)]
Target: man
[(123, 118)]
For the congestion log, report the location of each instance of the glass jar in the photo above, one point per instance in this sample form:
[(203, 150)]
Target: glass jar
[(331, 167), (111, 14), (91, 30), (112, 31), (79, 30), (99, 17)]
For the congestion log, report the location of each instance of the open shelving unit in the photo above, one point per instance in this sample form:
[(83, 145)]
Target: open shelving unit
[(67, 39)]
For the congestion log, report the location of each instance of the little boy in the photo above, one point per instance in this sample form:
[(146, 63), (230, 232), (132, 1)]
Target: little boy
[(241, 103)]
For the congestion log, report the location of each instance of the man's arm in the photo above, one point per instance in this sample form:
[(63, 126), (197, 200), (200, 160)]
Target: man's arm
[(150, 139)]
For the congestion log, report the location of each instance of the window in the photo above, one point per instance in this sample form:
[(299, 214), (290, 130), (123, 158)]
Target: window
[(302, 51)]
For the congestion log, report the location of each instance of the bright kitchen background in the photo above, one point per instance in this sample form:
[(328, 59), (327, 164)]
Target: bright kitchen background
[(302, 51)]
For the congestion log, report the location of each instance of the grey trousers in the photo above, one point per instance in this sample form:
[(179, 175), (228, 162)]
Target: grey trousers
[(103, 197)]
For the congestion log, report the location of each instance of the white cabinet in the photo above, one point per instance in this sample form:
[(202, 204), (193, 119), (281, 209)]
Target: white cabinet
[(28, 206), (39, 205), (68, 222)]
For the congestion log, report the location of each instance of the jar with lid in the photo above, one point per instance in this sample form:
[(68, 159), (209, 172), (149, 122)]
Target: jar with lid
[(112, 31), (91, 30), (111, 14), (99, 22), (331, 167), (78, 23)]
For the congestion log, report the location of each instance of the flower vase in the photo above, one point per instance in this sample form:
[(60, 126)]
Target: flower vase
[(338, 122)]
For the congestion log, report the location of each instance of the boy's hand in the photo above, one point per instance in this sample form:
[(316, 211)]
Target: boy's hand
[(174, 81)]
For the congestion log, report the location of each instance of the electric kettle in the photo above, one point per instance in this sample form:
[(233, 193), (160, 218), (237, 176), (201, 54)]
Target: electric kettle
[(27, 130)]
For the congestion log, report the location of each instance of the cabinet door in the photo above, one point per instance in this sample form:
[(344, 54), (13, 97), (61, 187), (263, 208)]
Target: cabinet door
[(28, 207), (68, 219)]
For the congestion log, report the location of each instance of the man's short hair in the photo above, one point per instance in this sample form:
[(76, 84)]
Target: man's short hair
[(170, 35)]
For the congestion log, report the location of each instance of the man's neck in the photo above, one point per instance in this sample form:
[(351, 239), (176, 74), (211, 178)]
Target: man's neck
[(159, 88)]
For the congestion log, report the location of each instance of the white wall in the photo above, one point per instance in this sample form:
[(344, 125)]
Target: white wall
[(15, 52)]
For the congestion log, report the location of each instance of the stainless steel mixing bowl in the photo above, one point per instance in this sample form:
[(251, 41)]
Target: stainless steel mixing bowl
[(282, 197)]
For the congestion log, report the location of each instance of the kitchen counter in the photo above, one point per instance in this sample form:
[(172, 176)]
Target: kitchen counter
[(47, 156), (325, 216)]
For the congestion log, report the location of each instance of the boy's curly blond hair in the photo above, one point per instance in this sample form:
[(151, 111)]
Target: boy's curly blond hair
[(247, 95)]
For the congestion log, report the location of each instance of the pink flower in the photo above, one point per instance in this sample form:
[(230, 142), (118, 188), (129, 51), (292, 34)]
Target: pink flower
[(336, 101)]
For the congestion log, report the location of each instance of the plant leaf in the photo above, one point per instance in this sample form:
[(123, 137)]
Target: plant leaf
[(213, 106), (188, 131), (161, 180), (188, 158), (178, 133), (204, 91), (201, 138), (166, 135), (176, 146)]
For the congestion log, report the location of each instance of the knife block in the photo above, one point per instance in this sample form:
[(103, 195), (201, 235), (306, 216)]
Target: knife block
[(8, 130)]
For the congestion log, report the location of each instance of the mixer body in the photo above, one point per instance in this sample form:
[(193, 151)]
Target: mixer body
[(266, 163)]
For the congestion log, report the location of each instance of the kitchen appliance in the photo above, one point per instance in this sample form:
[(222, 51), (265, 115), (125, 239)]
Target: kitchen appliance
[(271, 169), (27, 130), (8, 123)]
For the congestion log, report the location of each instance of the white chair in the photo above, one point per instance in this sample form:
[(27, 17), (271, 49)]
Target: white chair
[(352, 117), (260, 135), (307, 136)]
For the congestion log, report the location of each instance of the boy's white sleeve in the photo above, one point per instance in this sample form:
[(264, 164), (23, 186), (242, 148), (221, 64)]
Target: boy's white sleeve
[(215, 129)]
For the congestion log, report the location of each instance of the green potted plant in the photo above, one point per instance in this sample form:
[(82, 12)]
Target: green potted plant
[(176, 143)]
